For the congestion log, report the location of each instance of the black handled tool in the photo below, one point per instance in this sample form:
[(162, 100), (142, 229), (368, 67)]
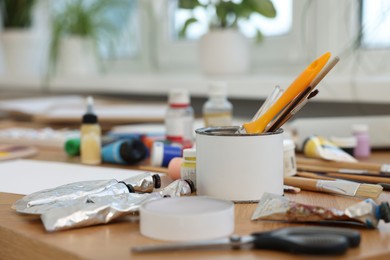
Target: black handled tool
[(300, 240)]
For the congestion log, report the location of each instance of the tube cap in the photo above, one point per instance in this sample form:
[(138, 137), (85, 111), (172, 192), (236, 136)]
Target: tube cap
[(187, 218), (72, 146)]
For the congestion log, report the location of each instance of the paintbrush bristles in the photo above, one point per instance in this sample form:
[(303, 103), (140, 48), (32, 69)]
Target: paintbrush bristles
[(369, 190)]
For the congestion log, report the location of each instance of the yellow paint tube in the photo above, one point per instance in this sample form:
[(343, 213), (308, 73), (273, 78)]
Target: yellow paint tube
[(319, 147)]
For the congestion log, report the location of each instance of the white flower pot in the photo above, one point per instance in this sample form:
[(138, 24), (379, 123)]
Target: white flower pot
[(24, 53), (77, 57), (224, 52)]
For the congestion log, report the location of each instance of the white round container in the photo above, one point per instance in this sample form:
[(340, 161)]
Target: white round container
[(187, 218), (238, 167), (289, 161)]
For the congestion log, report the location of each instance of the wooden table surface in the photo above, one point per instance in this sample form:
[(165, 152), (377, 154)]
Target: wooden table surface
[(24, 237)]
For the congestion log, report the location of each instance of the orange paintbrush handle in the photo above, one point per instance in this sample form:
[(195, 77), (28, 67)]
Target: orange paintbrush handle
[(299, 85)]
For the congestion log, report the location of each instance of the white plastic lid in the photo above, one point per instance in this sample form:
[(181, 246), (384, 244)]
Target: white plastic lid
[(187, 218), (359, 128), (189, 152), (157, 154), (344, 142), (217, 89), (179, 96)]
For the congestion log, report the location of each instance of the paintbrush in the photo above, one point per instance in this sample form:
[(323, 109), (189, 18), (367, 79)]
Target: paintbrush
[(341, 187), (299, 85), (300, 101), (364, 167), (312, 175)]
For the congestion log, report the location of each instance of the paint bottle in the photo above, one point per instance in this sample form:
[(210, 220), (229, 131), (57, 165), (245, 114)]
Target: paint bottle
[(179, 118), (362, 148), (125, 151), (188, 166), (217, 111), (162, 154), (90, 136)]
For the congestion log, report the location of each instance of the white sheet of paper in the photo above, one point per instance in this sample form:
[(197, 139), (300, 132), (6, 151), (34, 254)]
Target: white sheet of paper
[(28, 176)]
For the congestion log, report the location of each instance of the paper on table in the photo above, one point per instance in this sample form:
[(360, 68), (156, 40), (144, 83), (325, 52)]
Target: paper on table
[(39, 105), (28, 176)]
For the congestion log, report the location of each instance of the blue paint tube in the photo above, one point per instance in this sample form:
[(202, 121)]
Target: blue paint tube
[(162, 154), (125, 151)]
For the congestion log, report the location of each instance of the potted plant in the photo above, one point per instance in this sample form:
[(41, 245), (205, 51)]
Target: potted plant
[(223, 49), (77, 30), (22, 48)]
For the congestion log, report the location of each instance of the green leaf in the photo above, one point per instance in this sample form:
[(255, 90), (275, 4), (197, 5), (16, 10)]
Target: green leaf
[(263, 7), (182, 33), (259, 36), (188, 4)]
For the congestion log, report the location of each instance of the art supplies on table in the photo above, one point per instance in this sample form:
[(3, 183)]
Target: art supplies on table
[(187, 218), (361, 167), (41, 201), (10, 152), (93, 209), (90, 136), (179, 118), (347, 188), (320, 147), (341, 126), (278, 208), (299, 89), (238, 167), (296, 240), (217, 110)]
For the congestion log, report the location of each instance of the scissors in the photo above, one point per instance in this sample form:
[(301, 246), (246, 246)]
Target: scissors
[(298, 240)]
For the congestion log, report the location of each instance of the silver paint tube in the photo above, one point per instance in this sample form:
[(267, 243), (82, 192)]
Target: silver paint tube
[(366, 213), (100, 210), (145, 182), (69, 192)]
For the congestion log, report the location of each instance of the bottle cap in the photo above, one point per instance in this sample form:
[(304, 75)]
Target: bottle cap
[(162, 154), (133, 150), (89, 117), (179, 96), (360, 128), (72, 146), (217, 89), (189, 152)]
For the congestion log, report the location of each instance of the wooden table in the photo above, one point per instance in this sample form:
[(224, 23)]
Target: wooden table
[(23, 236)]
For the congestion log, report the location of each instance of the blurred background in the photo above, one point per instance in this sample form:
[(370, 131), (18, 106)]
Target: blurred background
[(140, 49)]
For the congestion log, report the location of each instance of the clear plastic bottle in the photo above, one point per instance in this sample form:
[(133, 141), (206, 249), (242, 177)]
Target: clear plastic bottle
[(217, 111), (90, 141), (179, 118), (363, 147)]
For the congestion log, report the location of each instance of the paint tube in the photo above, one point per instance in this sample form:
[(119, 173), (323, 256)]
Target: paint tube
[(365, 213), (319, 147), (40, 201), (101, 210)]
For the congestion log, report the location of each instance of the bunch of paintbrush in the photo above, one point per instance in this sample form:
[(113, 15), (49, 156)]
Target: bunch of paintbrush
[(330, 185), (292, 99), (354, 171), (310, 164)]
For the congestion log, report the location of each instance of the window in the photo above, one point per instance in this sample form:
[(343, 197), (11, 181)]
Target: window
[(277, 26), (284, 30), (375, 24)]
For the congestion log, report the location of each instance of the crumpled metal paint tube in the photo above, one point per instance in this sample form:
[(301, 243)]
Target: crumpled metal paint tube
[(366, 213), (94, 210), (40, 201)]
